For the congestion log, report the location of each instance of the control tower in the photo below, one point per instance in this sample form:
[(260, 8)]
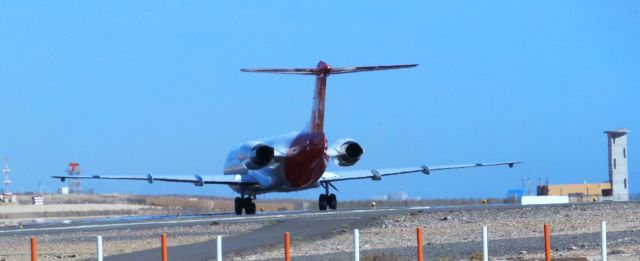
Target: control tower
[(618, 170)]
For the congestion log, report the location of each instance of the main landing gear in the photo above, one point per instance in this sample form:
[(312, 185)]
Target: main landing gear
[(246, 204), (327, 200)]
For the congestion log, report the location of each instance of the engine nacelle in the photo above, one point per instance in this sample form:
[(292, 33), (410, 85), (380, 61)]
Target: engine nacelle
[(348, 152), (259, 156)]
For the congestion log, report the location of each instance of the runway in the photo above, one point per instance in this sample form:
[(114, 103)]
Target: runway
[(96, 224), (300, 226)]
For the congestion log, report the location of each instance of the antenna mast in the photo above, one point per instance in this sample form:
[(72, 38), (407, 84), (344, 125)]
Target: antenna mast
[(6, 181), (74, 184)]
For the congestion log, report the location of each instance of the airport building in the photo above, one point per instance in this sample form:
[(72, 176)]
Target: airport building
[(617, 189)]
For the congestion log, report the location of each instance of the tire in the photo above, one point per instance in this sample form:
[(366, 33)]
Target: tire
[(333, 202), (252, 209), (238, 205), (323, 202), (249, 206)]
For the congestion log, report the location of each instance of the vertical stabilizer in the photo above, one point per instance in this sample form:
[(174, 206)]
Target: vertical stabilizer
[(316, 123)]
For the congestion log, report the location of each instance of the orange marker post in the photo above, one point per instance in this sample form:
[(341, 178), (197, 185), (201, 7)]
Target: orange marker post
[(287, 250), (34, 255), (547, 243), (419, 235), (163, 241)]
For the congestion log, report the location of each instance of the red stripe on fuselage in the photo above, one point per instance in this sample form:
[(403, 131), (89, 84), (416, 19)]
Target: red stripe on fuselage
[(306, 160)]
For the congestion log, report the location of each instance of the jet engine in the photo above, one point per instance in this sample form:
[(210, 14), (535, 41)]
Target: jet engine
[(348, 152), (259, 156)]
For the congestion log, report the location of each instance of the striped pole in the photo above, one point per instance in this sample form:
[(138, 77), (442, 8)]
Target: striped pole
[(604, 240), (287, 250), (163, 241), (219, 248), (99, 248), (34, 254), (420, 244), (356, 245), (547, 243), (485, 244)]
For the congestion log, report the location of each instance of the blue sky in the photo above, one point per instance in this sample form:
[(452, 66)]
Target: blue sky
[(132, 87)]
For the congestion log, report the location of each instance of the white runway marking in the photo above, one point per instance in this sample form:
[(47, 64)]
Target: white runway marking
[(419, 208), (336, 218)]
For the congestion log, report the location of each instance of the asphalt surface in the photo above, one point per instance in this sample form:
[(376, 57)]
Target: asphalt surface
[(300, 227), (165, 221)]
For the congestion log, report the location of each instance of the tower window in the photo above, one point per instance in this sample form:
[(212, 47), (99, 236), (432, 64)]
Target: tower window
[(613, 139), (624, 152), (625, 183), (614, 163)]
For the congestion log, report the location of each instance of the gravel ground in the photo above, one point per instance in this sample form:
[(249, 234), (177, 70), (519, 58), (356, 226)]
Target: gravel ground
[(81, 245), (624, 245), (514, 234)]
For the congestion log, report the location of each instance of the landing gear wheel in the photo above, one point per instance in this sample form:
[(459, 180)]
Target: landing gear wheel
[(333, 202), (249, 206), (238, 205), (251, 209), (323, 202)]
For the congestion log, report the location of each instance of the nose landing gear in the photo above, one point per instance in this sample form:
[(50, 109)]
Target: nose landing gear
[(327, 200)]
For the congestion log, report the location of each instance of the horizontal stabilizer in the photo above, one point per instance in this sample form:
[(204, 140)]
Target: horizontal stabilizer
[(303, 71), (324, 69), (370, 68)]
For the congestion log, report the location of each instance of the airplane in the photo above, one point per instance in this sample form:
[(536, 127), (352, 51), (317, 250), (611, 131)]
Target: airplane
[(295, 161)]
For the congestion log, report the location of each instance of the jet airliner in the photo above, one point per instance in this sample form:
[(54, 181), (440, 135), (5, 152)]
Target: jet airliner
[(294, 161)]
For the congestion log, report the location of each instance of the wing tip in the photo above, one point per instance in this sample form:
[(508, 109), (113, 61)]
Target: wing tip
[(513, 163)]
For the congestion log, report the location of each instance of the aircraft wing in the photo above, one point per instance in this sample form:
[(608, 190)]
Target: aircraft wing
[(196, 179), (377, 174)]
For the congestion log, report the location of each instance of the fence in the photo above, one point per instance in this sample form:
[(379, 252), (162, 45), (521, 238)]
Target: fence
[(356, 238)]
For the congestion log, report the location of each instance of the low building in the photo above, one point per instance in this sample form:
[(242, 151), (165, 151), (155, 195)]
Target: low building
[(579, 192)]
